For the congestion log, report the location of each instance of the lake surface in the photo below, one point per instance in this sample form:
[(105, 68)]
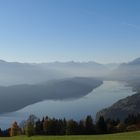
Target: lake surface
[(105, 95)]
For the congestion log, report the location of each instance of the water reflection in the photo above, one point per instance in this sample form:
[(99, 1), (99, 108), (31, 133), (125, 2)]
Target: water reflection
[(105, 95)]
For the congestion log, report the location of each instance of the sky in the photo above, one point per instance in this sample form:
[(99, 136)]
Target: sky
[(105, 31)]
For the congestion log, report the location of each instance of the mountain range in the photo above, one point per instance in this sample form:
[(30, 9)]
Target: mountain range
[(14, 73), (127, 71)]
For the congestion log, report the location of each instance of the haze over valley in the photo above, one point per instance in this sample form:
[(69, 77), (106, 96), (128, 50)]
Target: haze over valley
[(69, 59), (29, 83)]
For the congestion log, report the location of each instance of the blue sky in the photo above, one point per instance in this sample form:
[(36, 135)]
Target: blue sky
[(105, 31)]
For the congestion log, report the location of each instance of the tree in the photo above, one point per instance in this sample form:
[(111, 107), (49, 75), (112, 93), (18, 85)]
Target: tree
[(38, 127), (111, 125), (121, 127), (101, 125), (62, 127), (0, 132), (32, 118), (72, 128), (81, 128), (89, 126), (30, 126), (6, 133), (52, 126), (45, 125), (29, 129), (15, 130)]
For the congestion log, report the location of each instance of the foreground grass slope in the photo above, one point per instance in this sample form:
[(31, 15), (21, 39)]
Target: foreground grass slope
[(120, 136)]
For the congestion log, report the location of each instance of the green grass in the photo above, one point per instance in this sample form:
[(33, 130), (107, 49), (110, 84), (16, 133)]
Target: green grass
[(120, 136)]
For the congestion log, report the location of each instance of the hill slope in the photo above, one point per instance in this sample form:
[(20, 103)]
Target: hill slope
[(122, 108), (16, 97)]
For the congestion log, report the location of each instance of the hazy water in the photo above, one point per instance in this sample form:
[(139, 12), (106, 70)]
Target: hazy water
[(105, 95)]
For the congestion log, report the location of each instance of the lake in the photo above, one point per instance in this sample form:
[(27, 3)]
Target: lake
[(105, 95)]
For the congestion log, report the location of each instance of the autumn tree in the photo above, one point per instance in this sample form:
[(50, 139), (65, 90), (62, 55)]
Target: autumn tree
[(15, 130)]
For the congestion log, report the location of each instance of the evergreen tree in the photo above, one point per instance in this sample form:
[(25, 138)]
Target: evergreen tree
[(38, 128), (101, 125), (0, 132), (72, 128), (81, 128), (89, 126)]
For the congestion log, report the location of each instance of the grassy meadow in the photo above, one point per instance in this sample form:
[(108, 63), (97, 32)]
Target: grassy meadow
[(119, 136)]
